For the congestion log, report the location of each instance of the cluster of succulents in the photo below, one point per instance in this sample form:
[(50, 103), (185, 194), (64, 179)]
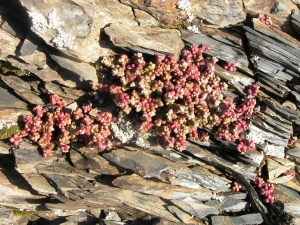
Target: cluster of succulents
[(265, 19), (236, 187), (265, 190), (229, 66), (253, 89), (58, 127), (179, 99)]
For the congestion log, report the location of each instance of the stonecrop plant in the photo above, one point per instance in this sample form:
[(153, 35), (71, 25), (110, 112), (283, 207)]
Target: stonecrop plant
[(179, 99), (58, 127)]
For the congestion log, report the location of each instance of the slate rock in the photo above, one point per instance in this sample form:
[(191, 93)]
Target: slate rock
[(220, 50), (183, 216), (195, 208), (40, 184), (229, 205), (77, 30), (145, 39), (147, 203), (27, 158), (218, 13), (253, 218), (137, 161), (4, 148), (9, 100), (5, 214), (9, 44), (164, 190), (275, 169)]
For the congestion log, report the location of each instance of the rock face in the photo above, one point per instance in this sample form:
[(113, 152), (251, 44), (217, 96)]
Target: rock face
[(52, 47)]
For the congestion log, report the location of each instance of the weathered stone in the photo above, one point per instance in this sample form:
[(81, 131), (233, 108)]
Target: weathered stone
[(221, 51), (137, 161), (144, 19), (92, 162), (148, 203), (5, 215), (164, 190), (219, 13), (40, 184), (145, 39), (275, 169), (229, 205), (8, 44), (64, 92), (4, 148), (83, 217), (196, 208), (16, 192), (183, 216), (30, 97), (77, 29), (9, 100), (282, 179), (27, 159), (217, 161), (254, 218)]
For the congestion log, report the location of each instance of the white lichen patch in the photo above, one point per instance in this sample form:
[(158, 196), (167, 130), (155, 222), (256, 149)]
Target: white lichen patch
[(7, 124), (186, 5), (64, 40), (194, 29), (127, 133), (39, 23)]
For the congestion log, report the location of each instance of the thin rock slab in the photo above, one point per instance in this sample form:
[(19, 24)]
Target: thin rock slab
[(195, 208), (40, 184), (183, 216), (147, 203), (220, 50), (146, 39), (93, 162), (137, 161), (219, 13), (8, 100), (253, 218), (164, 190), (216, 161), (275, 169), (229, 205)]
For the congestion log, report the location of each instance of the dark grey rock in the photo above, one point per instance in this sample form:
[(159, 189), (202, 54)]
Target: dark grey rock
[(229, 205), (83, 217), (137, 161), (196, 208), (220, 50), (9, 100), (40, 184), (254, 218)]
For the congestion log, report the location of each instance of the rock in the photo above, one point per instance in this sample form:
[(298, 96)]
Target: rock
[(148, 203), (40, 184), (183, 216), (282, 179), (4, 148), (8, 44), (253, 218), (137, 161), (16, 192), (275, 169), (196, 208), (166, 191), (5, 215), (27, 158), (77, 29), (92, 162), (83, 217), (221, 51), (219, 13), (145, 39), (216, 161), (144, 19), (276, 144), (9, 100), (229, 205)]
